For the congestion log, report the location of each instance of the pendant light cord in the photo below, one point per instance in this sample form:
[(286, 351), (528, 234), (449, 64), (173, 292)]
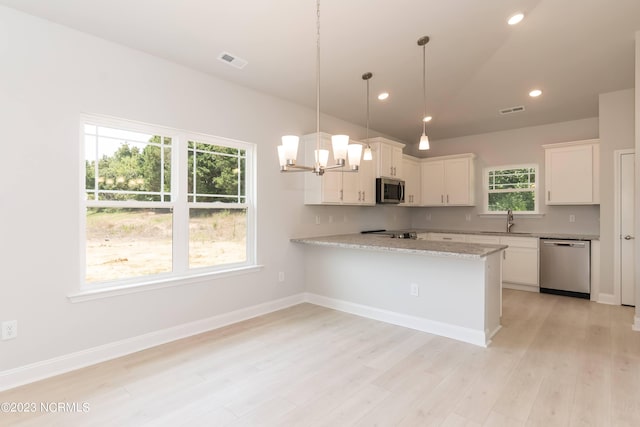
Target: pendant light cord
[(318, 77), (367, 112), (424, 87)]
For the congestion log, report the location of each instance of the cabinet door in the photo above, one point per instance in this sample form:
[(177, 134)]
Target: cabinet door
[(386, 161), (411, 171), (367, 183), (351, 188), (457, 179), (569, 175), (520, 265), (331, 187), (432, 177), (396, 162)]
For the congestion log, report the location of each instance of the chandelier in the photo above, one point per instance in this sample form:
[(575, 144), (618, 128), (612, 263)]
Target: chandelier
[(342, 150)]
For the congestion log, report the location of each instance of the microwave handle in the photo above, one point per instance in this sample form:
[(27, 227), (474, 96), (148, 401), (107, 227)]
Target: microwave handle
[(401, 192)]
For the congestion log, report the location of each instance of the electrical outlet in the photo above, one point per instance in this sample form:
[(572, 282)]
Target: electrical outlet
[(572, 218), (330, 219), (9, 329), (344, 218), (468, 217), (281, 276), (428, 217), (415, 290), (317, 219)]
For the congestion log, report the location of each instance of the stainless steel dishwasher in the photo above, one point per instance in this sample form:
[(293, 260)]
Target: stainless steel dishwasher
[(565, 267)]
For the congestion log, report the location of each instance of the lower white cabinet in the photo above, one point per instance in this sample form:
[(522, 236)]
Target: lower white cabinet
[(520, 259), (520, 263)]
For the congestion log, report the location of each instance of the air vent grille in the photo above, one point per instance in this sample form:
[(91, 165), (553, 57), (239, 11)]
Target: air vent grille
[(233, 60), (512, 110)]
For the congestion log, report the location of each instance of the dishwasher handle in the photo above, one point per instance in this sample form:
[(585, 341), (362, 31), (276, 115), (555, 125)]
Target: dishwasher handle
[(568, 243)]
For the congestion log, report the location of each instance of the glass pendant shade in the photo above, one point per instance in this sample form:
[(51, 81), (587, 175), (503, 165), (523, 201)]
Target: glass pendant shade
[(424, 142), (355, 155), (281, 156), (322, 157), (290, 143), (368, 155), (340, 143)]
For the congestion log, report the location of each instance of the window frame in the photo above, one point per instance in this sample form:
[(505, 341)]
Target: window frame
[(181, 272), (487, 191)]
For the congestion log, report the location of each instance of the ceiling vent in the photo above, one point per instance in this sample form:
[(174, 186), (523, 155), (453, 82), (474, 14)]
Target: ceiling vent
[(512, 110), (233, 60)]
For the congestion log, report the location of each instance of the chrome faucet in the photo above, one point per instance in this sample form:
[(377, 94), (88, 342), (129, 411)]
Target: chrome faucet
[(509, 220)]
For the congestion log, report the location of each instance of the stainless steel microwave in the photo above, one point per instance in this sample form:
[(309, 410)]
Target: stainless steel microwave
[(389, 191)]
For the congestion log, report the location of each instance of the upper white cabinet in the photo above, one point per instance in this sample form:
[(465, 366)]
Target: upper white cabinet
[(572, 173), (389, 159), (412, 181), (337, 187), (448, 181)]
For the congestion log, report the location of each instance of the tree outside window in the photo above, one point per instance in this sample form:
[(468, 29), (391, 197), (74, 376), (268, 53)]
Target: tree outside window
[(513, 187)]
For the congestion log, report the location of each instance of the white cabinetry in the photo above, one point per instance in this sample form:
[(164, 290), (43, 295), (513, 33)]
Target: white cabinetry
[(389, 159), (447, 237), (520, 259), (572, 173), (336, 187), (448, 181), (520, 263), (412, 185)]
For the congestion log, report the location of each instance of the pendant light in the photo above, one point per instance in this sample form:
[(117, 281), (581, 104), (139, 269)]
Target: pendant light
[(342, 150), (424, 139), (367, 151)]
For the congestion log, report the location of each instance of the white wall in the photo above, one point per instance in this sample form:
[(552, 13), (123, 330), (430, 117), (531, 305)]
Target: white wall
[(616, 114), (49, 75), (510, 147)]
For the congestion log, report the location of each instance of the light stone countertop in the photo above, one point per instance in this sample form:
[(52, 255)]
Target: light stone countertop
[(419, 247), (541, 235)]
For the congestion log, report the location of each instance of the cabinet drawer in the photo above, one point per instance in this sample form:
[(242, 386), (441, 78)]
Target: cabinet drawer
[(447, 237), (491, 240), (520, 242)]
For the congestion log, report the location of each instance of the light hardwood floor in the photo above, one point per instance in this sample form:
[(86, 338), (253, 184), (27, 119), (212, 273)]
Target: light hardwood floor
[(557, 361)]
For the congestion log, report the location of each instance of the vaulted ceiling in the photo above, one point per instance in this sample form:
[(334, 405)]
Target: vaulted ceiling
[(572, 50)]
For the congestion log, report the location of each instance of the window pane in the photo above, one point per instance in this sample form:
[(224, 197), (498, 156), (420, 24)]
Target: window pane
[(125, 243), (216, 173), (516, 201), (217, 237), (130, 165)]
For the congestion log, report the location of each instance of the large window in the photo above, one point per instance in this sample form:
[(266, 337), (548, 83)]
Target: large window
[(162, 203), (511, 187)]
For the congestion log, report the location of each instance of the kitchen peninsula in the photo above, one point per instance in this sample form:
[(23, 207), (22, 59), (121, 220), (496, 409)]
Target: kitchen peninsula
[(450, 289)]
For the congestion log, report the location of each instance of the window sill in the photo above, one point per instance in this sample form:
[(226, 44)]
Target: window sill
[(86, 294), (527, 215)]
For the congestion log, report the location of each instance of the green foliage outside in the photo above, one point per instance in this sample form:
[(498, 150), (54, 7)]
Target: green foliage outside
[(508, 189), (522, 201), (217, 174)]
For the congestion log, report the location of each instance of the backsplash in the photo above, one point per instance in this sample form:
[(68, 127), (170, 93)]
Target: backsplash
[(554, 219)]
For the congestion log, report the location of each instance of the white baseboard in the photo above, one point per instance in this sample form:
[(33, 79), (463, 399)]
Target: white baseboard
[(517, 287), (636, 324), (607, 299), (70, 362), (425, 325)]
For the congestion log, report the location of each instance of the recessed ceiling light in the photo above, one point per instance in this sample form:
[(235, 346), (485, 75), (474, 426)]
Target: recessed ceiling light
[(535, 93), (383, 96), (427, 119), (513, 20)]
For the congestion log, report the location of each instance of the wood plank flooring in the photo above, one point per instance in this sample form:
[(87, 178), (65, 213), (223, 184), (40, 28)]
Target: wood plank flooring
[(557, 361)]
